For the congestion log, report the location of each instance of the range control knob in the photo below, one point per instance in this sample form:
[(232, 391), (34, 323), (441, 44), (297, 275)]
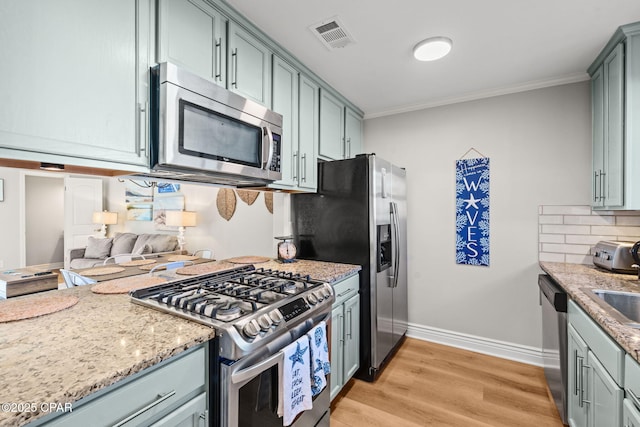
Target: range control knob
[(312, 299), (265, 322), (251, 329), (319, 295), (326, 292), (276, 317)]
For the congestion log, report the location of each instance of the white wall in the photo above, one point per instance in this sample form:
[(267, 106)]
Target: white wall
[(44, 219), (539, 143), (9, 219)]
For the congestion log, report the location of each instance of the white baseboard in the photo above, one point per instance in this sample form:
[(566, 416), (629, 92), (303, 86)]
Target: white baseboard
[(502, 349)]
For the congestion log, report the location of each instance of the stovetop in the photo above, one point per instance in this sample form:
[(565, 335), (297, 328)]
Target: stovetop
[(247, 306)]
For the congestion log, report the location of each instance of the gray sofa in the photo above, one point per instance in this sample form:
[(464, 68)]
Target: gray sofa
[(99, 249)]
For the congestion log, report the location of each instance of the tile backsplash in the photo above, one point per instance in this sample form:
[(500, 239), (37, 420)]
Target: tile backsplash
[(568, 233)]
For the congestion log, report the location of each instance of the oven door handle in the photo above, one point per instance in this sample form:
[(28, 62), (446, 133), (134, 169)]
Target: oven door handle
[(254, 370)]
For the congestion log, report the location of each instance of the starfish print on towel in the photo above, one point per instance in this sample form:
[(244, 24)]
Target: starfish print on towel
[(297, 356)]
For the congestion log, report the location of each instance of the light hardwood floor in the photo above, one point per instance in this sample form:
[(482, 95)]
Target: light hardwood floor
[(428, 384)]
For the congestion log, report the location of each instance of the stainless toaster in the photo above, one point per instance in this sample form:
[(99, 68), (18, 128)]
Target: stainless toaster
[(614, 256)]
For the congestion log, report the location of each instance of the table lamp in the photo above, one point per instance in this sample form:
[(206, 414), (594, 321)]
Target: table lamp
[(104, 218), (180, 219)]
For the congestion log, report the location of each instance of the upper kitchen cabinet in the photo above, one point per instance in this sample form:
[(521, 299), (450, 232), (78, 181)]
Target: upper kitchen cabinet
[(249, 65), (340, 129), (75, 81), (285, 102), (192, 34), (309, 134), (352, 133), (615, 96)]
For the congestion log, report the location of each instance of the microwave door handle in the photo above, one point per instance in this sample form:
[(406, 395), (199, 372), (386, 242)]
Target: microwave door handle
[(266, 131)]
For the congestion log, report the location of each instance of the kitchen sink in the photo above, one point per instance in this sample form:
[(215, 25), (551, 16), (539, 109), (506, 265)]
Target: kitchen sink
[(622, 306)]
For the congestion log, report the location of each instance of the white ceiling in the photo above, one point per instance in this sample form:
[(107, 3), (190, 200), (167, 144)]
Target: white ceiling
[(499, 46)]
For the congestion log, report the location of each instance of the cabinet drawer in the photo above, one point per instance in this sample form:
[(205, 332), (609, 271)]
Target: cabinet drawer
[(150, 393), (632, 375), (346, 289), (609, 353)]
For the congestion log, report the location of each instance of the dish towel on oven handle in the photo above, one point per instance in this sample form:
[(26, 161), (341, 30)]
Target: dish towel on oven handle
[(295, 387), (320, 366)]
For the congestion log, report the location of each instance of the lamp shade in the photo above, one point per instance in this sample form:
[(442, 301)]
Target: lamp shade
[(180, 218), (105, 218)]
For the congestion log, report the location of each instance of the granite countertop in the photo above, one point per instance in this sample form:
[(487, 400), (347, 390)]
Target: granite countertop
[(576, 277), (65, 356)]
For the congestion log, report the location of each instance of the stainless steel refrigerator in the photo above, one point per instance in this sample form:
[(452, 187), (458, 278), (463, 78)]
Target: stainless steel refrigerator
[(359, 216)]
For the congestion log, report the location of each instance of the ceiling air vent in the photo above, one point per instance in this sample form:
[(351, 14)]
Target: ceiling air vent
[(332, 33)]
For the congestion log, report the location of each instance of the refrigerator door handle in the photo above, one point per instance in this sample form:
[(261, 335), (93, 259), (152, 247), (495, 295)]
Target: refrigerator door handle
[(396, 232)]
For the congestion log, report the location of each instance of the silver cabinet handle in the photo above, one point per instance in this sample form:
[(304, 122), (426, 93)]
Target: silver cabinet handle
[(161, 398), (143, 125), (349, 334), (347, 292), (595, 188), (341, 329), (348, 148), (296, 166), (582, 381), (576, 373), (602, 182), (303, 160), (218, 64), (234, 67)]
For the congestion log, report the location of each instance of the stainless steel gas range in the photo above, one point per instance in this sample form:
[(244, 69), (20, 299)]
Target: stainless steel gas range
[(256, 313)]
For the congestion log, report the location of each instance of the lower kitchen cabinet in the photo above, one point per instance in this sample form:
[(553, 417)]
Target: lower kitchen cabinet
[(171, 394), (345, 333), (630, 414), (595, 373)]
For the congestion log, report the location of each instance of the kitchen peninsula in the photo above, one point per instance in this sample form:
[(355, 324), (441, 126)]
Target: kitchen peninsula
[(68, 355)]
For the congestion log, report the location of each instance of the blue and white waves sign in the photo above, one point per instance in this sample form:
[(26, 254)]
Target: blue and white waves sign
[(472, 211)]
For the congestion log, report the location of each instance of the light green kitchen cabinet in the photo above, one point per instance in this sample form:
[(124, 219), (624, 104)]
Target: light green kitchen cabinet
[(595, 373), (309, 131), (577, 351), (331, 145), (193, 34), (630, 414), (607, 86), (615, 97), (75, 81), (340, 129), (352, 133), (345, 333), (285, 102), (249, 62), (171, 393)]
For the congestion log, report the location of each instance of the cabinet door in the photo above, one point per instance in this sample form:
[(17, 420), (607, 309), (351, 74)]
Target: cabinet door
[(193, 34), (352, 133), (337, 350), (191, 414), (331, 127), (351, 336), (614, 127), (630, 414), (76, 82), (250, 65), (604, 395), (578, 408), (285, 102), (309, 133), (597, 123)]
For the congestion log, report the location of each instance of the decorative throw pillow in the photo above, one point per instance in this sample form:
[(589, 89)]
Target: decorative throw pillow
[(98, 248), (123, 243), (156, 243)]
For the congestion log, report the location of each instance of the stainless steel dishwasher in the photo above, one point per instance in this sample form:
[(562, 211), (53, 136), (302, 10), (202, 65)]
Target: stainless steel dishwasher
[(553, 300)]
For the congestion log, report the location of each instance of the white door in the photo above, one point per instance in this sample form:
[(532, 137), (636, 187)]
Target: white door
[(82, 197)]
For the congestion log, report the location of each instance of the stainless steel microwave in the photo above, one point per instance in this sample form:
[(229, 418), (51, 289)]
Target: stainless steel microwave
[(201, 132)]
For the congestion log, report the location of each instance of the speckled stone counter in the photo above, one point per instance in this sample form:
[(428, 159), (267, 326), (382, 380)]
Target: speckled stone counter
[(65, 356), (574, 277)]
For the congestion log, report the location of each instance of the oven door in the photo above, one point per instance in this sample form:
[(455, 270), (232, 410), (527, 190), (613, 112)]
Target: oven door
[(249, 388)]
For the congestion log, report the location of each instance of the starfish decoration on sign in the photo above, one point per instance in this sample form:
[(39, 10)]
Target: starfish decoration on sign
[(471, 201), (297, 356)]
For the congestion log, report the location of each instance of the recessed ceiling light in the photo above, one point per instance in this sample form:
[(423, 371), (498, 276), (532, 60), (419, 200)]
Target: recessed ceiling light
[(432, 48)]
